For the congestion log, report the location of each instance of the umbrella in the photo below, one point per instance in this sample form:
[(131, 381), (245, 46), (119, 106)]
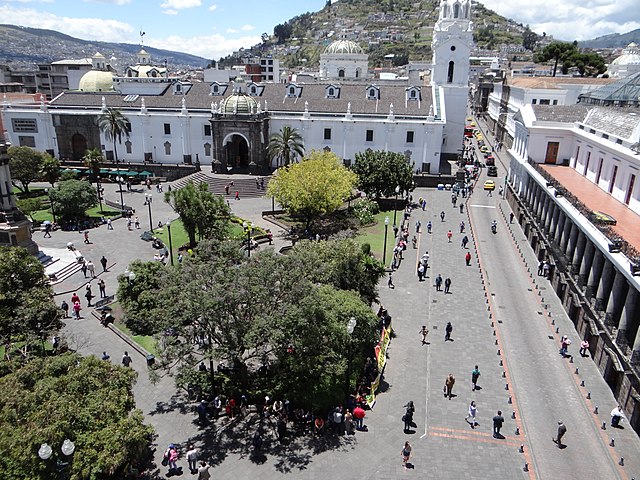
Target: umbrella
[(105, 171), (46, 222), (131, 174), (145, 174)]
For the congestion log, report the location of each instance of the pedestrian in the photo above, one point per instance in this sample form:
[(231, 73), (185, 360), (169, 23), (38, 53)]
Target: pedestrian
[(462, 227), (511, 217), (109, 224), (74, 298), (584, 346), (405, 453), (91, 268), (475, 375), (438, 283), (237, 195), (442, 216), (464, 242), (105, 356), (55, 342), (418, 224), (86, 236), (47, 231), (226, 189), (420, 272), (489, 192), (359, 414), (76, 309), (171, 457), (449, 235), (414, 242), (498, 420), (467, 258), (203, 471), (337, 421), (564, 345), (429, 227), (546, 266), (447, 285), (473, 411), (102, 288), (83, 267), (65, 308), (562, 429), (390, 282), (424, 331), (448, 385), (407, 418), (462, 206), (136, 222), (540, 266), (500, 190), (103, 262), (447, 332), (88, 294), (192, 459), (454, 199), (616, 416), (126, 359)]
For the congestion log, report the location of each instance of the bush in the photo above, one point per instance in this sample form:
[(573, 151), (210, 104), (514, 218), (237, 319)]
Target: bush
[(365, 211)]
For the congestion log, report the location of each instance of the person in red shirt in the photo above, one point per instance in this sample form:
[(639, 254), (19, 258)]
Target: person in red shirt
[(467, 258), (359, 414)]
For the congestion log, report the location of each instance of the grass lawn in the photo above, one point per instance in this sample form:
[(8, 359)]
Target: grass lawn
[(374, 235), (145, 341), (178, 236), (94, 212)]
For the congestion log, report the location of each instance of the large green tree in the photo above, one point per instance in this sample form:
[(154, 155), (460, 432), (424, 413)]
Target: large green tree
[(557, 52), (50, 169), (201, 211), (72, 197), (28, 313), (590, 63), (25, 164), (316, 186), (114, 125), (285, 146), (83, 399), (380, 172)]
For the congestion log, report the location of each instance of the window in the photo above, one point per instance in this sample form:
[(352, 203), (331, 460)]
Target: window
[(215, 89), (327, 134), (207, 130), (413, 94), (127, 146), (332, 92), (270, 69), (24, 125), (127, 127), (167, 129), (26, 141), (410, 136), (575, 160), (207, 149), (545, 101), (555, 102), (292, 90), (534, 101), (341, 73), (619, 141), (627, 197), (586, 164), (612, 182), (605, 136), (369, 136), (167, 148), (599, 172), (450, 72)]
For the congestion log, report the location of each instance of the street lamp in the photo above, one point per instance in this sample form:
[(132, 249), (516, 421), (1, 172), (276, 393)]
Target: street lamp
[(384, 248), (99, 194), (119, 179), (395, 203), (248, 227), (45, 452), (53, 210), (170, 244), (350, 328), (147, 201)]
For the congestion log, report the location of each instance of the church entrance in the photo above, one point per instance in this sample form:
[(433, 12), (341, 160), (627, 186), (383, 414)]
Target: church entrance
[(237, 153), (78, 146)]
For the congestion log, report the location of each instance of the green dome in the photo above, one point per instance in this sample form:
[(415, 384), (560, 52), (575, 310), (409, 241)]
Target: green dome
[(239, 104), (96, 81)]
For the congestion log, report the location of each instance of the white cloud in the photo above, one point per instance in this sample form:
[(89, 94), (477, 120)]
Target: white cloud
[(170, 12), (247, 28), (213, 7), (180, 4), (87, 28), (116, 2), (207, 46), (231, 30)]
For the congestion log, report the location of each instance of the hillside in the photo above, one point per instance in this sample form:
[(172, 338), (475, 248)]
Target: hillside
[(614, 40), (24, 47), (402, 28)]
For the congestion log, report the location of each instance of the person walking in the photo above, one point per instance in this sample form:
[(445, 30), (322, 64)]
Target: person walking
[(65, 308), (390, 282), (584, 346), (420, 272), (449, 235), (109, 224), (137, 223), (86, 236), (359, 414), (129, 224), (511, 215), (462, 227), (192, 459), (447, 285), (562, 429), (475, 375), (102, 288), (203, 471), (126, 359), (442, 216), (424, 331), (462, 206), (47, 231), (429, 225), (447, 332), (473, 411), (405, 453), (498, 420), (418, 225), (83, 267), (448, 385), (616, 416), (105, 356), (91, 268), (171, 457), (464, 242), (407, 418), (438, 283), (88, 294), (564, 345), (467, 258), (103, 262), (76, 309)]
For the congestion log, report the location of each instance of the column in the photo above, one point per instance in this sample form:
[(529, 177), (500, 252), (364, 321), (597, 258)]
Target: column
[(595, 273), (542, 205), (617, 299), (629, 320), (579, 253), (573, 237), (565, 233), (605, 284), (554, 222), (551, 210), (560, 228)]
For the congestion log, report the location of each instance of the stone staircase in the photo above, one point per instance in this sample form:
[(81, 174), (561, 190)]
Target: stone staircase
[(244, 185)]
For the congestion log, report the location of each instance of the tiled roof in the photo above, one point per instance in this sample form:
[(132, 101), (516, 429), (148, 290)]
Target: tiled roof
[(556, 83), (615, 121), (560, 113), (199, 98)]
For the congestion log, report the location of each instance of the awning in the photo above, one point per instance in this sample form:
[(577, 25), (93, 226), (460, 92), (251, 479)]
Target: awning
[(145, 174), (131, 174)]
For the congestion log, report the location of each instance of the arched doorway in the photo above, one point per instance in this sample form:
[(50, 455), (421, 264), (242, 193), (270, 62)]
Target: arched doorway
[(236, 150), (78, 146)]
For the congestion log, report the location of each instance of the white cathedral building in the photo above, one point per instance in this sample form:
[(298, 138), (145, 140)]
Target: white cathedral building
[(227, 125)]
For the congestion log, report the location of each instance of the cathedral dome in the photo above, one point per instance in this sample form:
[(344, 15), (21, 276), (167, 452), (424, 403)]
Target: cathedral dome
[(239, 104), (96, 81), (630, 56), (344, 46)]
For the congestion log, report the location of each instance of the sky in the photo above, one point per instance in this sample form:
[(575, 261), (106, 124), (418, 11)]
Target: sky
[(215, 28)]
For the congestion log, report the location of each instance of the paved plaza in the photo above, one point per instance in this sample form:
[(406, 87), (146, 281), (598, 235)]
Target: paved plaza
[(494, 294)]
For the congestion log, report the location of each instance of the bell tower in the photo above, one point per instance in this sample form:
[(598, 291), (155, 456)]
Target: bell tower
[(452, 42)]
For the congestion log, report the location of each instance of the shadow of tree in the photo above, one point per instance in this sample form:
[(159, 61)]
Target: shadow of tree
[(176, 403)]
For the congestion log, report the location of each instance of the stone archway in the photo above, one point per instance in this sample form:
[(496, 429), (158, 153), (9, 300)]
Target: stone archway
[(236, 149), (78, 146)]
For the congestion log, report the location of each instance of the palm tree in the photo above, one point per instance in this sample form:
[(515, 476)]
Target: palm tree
[(113, 124), (93, 160), (285, 146)]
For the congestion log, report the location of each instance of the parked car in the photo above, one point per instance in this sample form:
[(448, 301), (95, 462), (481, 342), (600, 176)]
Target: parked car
[(485, 149), (492, 171)]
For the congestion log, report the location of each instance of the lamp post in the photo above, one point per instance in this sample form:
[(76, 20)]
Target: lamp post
[(45, 452), (394, 208), (99, 194), (53, 210), (384, 247), (350, 328), (147, 201), (170, 244), (248, 227), (119, 179)]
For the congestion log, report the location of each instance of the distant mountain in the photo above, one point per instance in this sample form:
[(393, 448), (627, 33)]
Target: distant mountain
[(23, 46), (614, 40)]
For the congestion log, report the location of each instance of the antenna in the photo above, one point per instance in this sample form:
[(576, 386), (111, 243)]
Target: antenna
[(142, 34)]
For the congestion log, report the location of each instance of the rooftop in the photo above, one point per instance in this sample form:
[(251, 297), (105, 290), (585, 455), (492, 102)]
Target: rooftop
[(556, 83)]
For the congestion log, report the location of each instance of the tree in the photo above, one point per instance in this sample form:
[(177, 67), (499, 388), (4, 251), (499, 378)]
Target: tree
[(316, 186), (380, 172), (93, 160), (283, 31), (27, 310), (50, 169), (285, 146), (83, 399), (589, 63), (25, 164), (201, 211), (72, 197), (558, 52), (113, 124), (529, 39), (30, 205)]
